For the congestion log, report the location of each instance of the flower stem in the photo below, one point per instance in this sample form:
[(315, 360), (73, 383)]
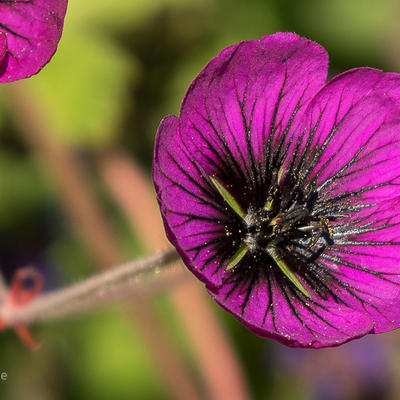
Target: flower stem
[(3, 288), (214, 355), (90, 223), (95, 290)]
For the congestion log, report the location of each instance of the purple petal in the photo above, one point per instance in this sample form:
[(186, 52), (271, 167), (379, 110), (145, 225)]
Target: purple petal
[(354, 122), (270, 312), (359, 129), (249, 93), (3, 52), (190, 216), (32, 29)]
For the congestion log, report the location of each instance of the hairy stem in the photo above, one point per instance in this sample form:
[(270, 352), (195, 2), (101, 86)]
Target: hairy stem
[(90, 222), (95, 290), (214, 355)]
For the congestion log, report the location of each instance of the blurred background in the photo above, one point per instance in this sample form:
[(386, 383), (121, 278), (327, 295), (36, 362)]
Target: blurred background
[(76, 146)]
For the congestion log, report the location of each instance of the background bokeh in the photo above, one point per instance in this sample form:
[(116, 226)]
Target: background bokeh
[(120, 67)]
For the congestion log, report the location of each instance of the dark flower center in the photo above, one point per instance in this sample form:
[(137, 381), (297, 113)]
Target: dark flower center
[(284, 234), (283, 225)]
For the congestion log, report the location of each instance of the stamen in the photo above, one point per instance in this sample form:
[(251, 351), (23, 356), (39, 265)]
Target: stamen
[(277, 176), (307, 228), (230, 200), (270, 199), (286, 270), (240, 253), (268, 203), (280, 173)]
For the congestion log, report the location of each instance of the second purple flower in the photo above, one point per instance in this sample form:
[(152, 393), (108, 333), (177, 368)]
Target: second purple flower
[(29, 35), (281, 192)]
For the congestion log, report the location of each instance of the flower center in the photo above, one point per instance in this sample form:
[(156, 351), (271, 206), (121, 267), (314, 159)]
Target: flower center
[(284, 232), (280, 228)]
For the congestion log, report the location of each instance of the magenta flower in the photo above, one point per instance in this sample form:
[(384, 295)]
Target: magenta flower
[(29, 34), (281, 192)]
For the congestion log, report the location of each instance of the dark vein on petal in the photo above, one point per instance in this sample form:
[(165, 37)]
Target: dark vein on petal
[(272, 128), (296, 313), (351, 162), (349, 264), (270, 303)]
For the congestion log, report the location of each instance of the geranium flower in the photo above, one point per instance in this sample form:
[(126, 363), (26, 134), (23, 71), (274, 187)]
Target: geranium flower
[(281, 191), (29, 34)]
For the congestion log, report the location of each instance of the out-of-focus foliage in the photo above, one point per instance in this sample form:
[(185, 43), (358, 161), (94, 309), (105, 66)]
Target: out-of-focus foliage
[(121, 13), (120, 67), (355, 32), (23, 190), (85, 89)]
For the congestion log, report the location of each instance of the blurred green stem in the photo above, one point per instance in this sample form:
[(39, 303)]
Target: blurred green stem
[(91, 292)]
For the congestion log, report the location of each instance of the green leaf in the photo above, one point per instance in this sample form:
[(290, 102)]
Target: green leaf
[(228, 197), (286, 270), (240, 253)]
